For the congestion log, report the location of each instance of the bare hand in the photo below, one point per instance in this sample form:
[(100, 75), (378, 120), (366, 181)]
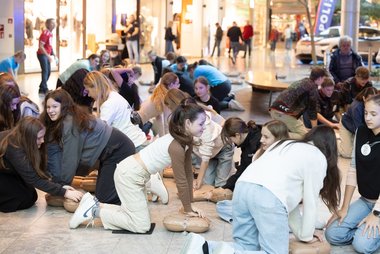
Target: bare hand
[(196, 213), (339, 215), (319, 234), (372, 225), (335, 126), (74, 195)]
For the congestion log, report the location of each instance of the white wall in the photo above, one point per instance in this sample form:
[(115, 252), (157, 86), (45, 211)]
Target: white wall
[(7, 41), (99, 18)]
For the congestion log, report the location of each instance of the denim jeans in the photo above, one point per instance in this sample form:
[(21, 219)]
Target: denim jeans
[(235, 48), (221, 91), (248, 46), (133, 51), (54, 162), (45, 71), (219, 167), (169, 46), (224, 210), (288, 43), (348, 232), (260, 220), (216, 45)]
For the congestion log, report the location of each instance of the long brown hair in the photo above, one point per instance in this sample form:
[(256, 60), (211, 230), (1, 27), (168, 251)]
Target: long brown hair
[(324, 138), (235, 125), (9, 90), (24, 136), (81, 118)]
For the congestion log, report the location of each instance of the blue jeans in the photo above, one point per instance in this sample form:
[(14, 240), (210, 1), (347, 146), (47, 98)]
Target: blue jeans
[(219, 167), (273, 45), (133, 51), (169, 46), (260, 220), (288, 43), (235, 48), (248, 46), (348, 232), (216, 45), (224, 210), (45, 71), (54, 162)]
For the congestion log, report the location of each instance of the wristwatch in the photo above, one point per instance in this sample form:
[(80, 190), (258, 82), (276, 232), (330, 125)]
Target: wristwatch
[(376, 213)]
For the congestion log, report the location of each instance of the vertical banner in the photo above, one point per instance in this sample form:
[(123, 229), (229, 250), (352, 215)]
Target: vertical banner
[(324, 15)]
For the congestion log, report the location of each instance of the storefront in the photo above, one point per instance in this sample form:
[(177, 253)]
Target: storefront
[(86, 27)]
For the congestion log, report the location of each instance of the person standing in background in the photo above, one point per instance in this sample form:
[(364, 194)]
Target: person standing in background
[(132, 35), (45, 54), (273, 37), (247, 38), (288, 37), (218, 39), (169, 38)]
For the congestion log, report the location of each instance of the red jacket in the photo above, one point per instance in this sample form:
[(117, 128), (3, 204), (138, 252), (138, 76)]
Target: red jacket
[(247, 32)]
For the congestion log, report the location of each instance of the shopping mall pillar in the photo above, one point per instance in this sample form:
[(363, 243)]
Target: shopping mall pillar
[(350, 20)]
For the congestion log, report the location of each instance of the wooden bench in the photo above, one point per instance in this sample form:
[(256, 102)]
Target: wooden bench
[(265, 81)]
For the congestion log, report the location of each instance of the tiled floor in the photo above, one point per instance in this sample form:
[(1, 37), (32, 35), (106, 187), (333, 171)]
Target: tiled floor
[(43, 229)]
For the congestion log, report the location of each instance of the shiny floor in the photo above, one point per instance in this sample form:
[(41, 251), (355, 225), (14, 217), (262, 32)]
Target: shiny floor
[(44, 229)]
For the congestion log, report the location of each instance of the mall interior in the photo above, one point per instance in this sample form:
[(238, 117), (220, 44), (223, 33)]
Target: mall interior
[(88, 26)]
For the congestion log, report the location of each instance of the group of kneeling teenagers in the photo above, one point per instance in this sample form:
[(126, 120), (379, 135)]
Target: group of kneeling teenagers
[(18, 146)]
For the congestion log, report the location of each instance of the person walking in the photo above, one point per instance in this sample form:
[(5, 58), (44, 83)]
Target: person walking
[(218, 39), (234, 34), (247, 38), (45, 54)]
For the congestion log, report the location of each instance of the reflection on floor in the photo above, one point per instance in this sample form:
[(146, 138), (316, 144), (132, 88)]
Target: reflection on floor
[(43, 229)]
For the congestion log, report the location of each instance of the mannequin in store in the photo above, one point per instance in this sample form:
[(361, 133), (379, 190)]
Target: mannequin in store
[(45, 54)]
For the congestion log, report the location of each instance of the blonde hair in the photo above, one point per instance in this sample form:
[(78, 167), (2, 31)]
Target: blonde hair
[(103, 86)]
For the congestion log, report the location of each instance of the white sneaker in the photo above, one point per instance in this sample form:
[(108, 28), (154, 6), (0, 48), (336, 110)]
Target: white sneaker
[(193, 244), (223, 248), (84, 210), (235, 105), (157, 187), (154, 197)]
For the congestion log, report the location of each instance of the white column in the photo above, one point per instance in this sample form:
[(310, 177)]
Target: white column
[(350, 20)]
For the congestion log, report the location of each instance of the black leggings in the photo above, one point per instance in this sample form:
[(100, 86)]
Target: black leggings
[(118, 148), (15, 194)]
